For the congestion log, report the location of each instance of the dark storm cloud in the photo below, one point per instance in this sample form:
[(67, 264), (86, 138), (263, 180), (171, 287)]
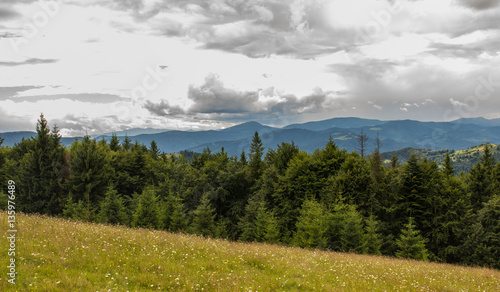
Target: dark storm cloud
[(479, 4), (8, 92), (163, 108), (418, 91), (30, 61), (253, 28), (214, 97), (82, 97), (215, 101)]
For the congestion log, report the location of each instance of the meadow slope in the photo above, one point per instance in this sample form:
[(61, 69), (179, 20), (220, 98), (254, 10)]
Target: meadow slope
[(61, 255)]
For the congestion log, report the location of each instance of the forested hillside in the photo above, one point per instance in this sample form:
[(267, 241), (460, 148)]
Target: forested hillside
[(462, 160), (329, 199)]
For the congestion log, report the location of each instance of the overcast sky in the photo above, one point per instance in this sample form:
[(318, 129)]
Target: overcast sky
[(108, 65)]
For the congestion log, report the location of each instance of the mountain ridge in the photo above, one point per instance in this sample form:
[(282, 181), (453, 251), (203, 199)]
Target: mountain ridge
[(394, 135)]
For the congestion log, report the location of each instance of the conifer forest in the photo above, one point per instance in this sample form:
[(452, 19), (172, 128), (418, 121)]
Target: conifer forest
[(329, 199)]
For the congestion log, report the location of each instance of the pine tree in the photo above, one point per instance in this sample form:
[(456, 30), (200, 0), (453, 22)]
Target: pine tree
[(312, 226), (373, 239), (112, 208), (147, 213), (204, 218), (352, 235), (411, 244)]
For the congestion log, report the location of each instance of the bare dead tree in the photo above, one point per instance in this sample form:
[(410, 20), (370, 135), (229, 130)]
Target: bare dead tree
[(362, 139)]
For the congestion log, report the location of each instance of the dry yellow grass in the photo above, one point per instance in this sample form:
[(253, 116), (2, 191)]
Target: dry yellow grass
[(61, 255)]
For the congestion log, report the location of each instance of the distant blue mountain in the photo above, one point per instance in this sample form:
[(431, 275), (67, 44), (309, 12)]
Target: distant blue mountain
[(346, 123), (134, 132), (394, 135), (479, 121)]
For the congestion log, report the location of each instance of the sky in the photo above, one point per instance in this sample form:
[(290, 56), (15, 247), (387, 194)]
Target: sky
[(99, 66)]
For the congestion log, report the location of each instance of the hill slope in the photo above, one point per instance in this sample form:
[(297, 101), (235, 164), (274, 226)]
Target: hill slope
[(462, 160), (61, 255)]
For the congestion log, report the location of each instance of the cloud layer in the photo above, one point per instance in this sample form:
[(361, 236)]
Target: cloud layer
[(230, 61)]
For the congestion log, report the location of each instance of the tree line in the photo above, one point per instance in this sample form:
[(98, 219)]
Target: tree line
[(329, 199)]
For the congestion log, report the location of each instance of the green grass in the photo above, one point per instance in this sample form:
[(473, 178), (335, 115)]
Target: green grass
[(62, 255)]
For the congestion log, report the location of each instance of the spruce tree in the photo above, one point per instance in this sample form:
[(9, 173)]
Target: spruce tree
[(147, 212), (247, 224), (112, 208), (41, 172), (448, 168), (373, 239), (127, 143), (90, 174), (336, 225), (114, 144), (154, 151), (411, 245), (173, 216), (256, 151), (243, 157), (204, 218), (482, 246), (272, 229), (352, 234), (312, 226)]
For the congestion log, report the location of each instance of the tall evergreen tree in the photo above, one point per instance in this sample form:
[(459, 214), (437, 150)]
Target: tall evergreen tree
[(482, 246), (41, 172), (243, 157), (154, 151), (373, 239), (448, 168), (481, 180), (352, 234), (127, 143), (114, 144), (256, 151), (312, 226), (204, 218), (90, 173), (173, 216), (112, 208), (147, 213), (411, 244)]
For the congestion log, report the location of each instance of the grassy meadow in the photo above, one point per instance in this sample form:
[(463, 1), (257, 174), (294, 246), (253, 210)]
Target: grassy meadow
[(60, 255)]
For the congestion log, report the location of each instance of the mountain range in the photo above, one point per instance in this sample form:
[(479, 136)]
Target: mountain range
[(394, 135)]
